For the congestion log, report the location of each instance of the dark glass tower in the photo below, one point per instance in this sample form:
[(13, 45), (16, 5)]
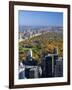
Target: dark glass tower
[(48, 66)]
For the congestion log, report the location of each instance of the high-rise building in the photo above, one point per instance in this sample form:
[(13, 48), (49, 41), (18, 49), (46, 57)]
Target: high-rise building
[(51, 66), (48, 64), (30, 67), (47, 67), (59, 68)]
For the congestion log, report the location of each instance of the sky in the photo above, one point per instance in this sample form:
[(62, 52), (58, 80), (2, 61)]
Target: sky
[(40, 18)]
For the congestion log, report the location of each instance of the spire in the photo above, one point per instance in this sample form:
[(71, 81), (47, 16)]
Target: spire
[(30, 55)]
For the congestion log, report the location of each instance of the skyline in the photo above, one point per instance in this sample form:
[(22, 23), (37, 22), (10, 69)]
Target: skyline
[(40, 18)]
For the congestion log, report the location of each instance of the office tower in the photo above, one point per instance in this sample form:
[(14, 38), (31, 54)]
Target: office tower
[(33, 73), (31, 67), (21, 71), (59, 68), (47, 66)]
